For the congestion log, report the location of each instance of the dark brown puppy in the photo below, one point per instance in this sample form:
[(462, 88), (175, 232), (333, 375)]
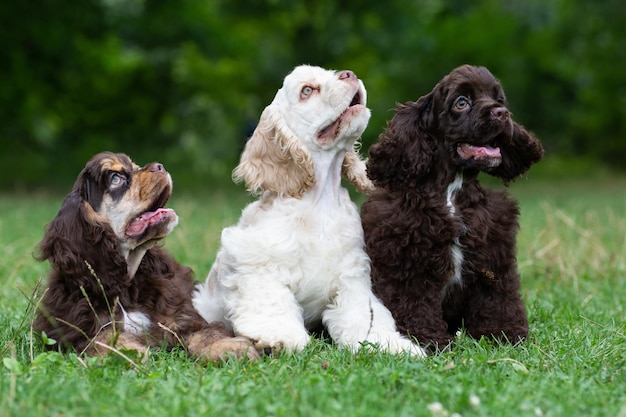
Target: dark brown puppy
[(110, 286), (442, 246)]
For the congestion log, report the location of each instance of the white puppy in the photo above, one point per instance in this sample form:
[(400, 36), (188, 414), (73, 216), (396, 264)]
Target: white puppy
[(296, 258)]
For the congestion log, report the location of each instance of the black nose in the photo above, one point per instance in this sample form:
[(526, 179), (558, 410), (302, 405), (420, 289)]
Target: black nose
[(156, 167), (500, 113), (347, 75)]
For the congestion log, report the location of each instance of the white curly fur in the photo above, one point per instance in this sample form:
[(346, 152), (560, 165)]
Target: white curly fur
[(296, 258)]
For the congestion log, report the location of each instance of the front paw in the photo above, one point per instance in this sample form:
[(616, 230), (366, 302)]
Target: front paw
[(111, 342), (403, 345), (512, 335), (395, 343), (288, 342), (231, 347)]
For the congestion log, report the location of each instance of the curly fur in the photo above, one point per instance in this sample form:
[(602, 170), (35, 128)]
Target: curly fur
[(442, 246), (109, 285), (276, 160), (296, 258)]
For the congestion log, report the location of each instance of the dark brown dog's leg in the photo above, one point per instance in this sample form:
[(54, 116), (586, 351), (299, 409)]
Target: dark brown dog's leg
[(499, 315), (425, 323), (431, 334)]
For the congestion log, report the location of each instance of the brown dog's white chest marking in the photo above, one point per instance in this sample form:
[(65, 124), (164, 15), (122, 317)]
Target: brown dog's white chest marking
[(455, 249)]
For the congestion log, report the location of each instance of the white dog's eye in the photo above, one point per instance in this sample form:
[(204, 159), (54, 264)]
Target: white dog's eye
[(306, 92), (461, 103)]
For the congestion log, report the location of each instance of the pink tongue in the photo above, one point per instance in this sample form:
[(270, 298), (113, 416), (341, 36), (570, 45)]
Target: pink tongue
[(488, 151), (142, 222), (468, 151)]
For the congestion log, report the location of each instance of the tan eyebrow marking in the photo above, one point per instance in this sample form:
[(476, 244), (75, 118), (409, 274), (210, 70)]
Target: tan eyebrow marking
[(110, 164)]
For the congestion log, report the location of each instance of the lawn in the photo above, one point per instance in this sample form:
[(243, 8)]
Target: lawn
[(572, 257)]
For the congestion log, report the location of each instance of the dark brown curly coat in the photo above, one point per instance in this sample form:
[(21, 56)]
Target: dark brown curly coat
[(109, 284), (442, 246)]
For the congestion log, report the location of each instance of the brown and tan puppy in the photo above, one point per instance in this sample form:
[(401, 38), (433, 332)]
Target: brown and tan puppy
[(110, 285)]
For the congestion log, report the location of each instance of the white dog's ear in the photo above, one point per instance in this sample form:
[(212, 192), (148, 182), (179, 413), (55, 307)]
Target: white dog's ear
[(274, 160), (353, 170)]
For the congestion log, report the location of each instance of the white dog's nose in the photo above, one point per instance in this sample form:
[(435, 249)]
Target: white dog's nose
[(347, 74)]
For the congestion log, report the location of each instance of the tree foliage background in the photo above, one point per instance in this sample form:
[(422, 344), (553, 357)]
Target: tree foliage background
[(184, 81)]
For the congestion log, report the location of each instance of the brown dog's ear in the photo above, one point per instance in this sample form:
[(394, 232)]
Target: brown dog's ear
[(74, 234), (274, 160), (91, 182), (518, 155), (406, 150), (353, 170), (87, 185)]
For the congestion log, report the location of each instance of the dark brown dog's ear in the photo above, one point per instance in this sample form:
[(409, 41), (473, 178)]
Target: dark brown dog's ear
[(406, 150), (518, 155)]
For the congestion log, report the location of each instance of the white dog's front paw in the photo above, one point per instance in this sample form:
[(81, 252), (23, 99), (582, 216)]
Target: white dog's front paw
[(400, 345), (395, 343)]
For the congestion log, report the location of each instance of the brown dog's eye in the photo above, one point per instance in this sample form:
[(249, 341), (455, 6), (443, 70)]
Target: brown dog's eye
[(461, 103), (117, 180), (306, 92)]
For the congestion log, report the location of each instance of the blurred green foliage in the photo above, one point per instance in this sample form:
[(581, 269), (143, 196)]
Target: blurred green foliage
[(184, 81)]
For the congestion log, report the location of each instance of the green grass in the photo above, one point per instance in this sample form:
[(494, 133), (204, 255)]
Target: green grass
[(572, 257)]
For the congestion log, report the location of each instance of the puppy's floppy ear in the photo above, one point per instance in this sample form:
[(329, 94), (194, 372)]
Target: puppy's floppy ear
[(274, 160), (407, 148), (76, 229), (353, 169), (88, 186), (518, 155)]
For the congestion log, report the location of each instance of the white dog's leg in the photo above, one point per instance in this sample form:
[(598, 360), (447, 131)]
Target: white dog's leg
[(208, 297), (207, 305), (263, 309), (356, 316), (256, 305), (384, 332)]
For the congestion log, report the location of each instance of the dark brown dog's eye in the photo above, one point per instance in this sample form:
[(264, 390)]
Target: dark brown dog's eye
[(461, 103)]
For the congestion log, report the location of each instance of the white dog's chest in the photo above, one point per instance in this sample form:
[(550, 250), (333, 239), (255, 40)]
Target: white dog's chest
[(314, 246), (295, 227)]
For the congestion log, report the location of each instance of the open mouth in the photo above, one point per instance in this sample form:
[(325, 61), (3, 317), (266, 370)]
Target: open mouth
[(486, 154), (154, 215), (332, 129)]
